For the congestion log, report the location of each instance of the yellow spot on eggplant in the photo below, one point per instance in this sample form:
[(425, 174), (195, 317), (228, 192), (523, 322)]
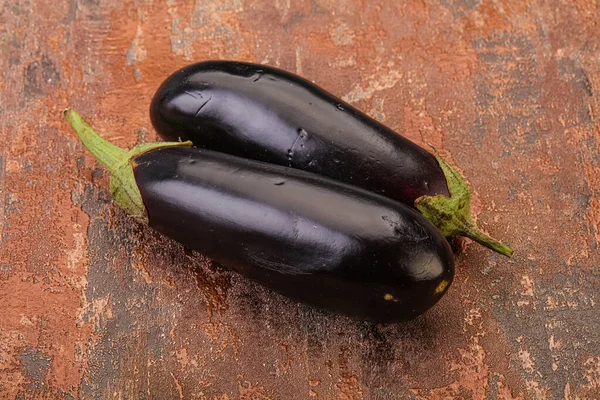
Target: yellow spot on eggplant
[(442, 287), (389, 297)]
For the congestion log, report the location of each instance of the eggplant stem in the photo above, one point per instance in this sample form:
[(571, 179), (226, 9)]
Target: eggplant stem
[(487, 241), (452, 215), (119, 162), (104, 151)]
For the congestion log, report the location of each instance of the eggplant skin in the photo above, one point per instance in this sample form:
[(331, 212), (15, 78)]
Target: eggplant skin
[(316, 240), (267, 114)]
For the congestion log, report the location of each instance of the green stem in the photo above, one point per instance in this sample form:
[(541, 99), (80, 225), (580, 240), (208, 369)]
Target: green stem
[(452, 215), (104, 151), (119, 162), (488, 241)]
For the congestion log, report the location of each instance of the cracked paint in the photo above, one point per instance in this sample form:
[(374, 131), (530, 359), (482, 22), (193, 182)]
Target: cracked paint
[(95, 305)]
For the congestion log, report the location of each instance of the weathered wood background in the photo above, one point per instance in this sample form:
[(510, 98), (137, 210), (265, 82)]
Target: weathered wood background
[(93, 305)]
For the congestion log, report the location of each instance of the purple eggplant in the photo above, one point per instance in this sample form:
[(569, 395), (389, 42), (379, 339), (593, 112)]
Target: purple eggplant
[(319, 241), (267, 114)]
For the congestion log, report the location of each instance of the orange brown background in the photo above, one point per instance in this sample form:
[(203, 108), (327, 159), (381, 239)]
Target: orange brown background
[(93, 305)]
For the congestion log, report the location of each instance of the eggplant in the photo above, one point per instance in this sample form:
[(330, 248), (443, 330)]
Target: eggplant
[(319, 241), (267, 114)]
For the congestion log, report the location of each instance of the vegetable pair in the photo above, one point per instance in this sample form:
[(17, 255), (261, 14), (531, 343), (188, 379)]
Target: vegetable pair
[(274, 191)]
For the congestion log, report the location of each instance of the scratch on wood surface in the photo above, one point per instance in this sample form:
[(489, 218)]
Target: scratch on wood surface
[(383, 79), (298, 60), (137, 51), (178, 385), (78, 254)]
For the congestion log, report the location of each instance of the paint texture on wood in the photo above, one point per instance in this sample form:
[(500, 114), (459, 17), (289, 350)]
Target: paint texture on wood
[(93, 305)]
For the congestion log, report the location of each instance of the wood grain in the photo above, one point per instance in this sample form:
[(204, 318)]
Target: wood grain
[(94, 306)]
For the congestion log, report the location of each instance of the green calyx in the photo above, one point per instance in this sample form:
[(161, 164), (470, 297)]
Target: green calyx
[(119, 163), (452, 215)]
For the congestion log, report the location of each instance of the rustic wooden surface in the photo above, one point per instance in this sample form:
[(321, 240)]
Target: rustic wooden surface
[(94, 306)]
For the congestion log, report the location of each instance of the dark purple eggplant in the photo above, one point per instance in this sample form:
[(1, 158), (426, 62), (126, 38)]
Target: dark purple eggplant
[(267, 114), (313, 239)]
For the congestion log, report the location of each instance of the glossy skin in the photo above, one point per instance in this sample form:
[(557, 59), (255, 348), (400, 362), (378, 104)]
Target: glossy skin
[(313, 239), (270, 115)]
